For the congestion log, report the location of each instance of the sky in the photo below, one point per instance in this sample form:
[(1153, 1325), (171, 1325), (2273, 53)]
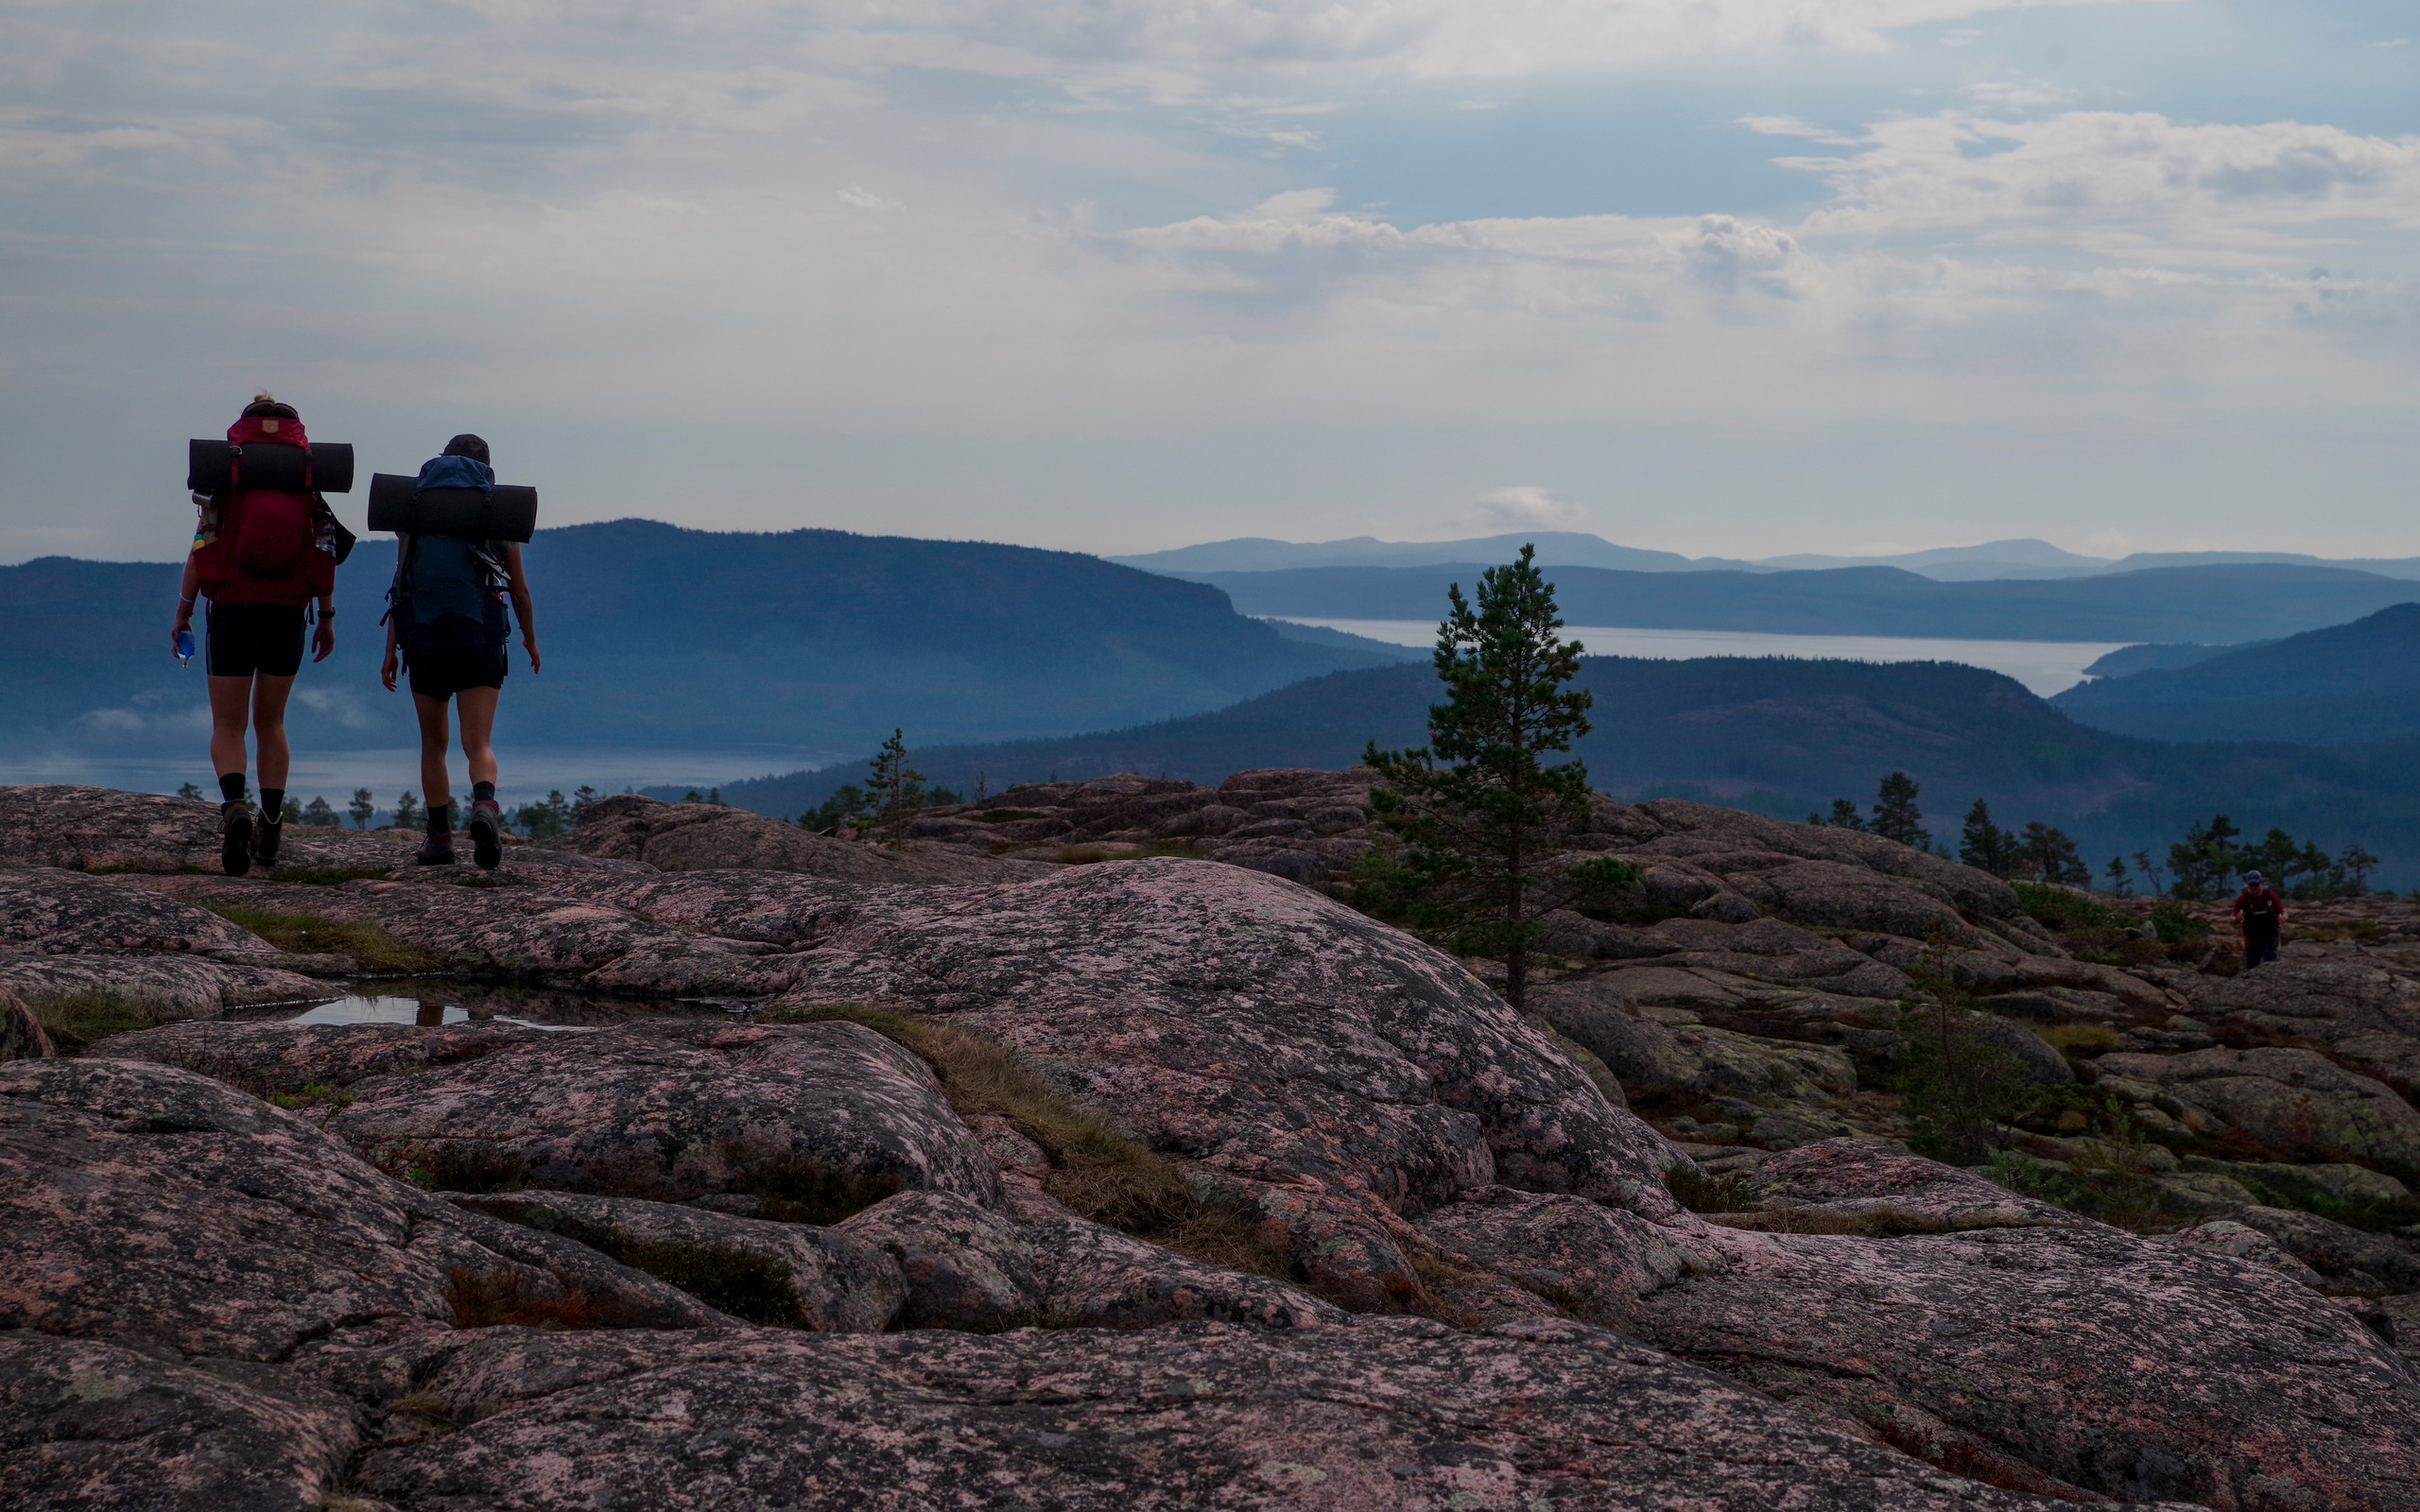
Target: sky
[(1726, 277)]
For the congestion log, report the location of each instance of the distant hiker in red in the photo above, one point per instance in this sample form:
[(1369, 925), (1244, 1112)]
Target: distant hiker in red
[(262, 556), (446, 626), (2260, 914)]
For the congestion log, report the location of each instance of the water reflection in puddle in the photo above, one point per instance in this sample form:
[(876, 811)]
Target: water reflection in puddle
[(433, 1002)]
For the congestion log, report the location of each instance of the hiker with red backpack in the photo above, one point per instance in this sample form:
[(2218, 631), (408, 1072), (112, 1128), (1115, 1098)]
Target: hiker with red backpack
[(262, 556), (2260, 914), (446, 626)]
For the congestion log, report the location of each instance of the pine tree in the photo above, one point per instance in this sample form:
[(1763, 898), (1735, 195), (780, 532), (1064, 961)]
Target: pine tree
[(292, 812), (2204, 859), (189, 790), (2120, 885), (893, 791), (363, 808), (320, 815), (1843, 815), (1479, 865), (1984, 845), (2048, 855), (1895, 814), (407, 811)]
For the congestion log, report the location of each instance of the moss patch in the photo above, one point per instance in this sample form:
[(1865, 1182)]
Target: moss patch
[(331, 876), (749, 1286), (77, 1021), (365, 939), (791, 1190), (1094, 1170), (502, 1294)]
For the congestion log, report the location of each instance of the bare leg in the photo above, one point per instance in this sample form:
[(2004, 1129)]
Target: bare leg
[(478, 724), (432, 750), (269, 727), (230, 708)]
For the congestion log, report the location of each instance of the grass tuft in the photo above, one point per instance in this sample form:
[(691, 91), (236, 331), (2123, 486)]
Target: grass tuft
[(331, 876), (790, 1189), (365, 939), (1700, 1191), (81, 1020), (1094, 1171)]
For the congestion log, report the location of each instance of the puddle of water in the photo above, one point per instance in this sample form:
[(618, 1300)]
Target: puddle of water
[(431, 1002)]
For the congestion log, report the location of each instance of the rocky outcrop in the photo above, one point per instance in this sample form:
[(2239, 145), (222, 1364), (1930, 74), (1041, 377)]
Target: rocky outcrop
[(483, 1264), (22, 1037)]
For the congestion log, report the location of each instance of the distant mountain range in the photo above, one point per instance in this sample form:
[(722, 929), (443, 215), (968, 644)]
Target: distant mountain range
[(656, 636), (2340, 685), (2219, 604), (1784, 738), (1569, 548)]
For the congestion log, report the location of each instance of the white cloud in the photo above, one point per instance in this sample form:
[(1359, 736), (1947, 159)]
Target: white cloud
[(1525, 506)]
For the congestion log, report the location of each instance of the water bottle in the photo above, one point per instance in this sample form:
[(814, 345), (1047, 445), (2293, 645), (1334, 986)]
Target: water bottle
[(184, 647)]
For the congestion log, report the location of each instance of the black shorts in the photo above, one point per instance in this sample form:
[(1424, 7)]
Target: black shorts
[(254, 638), (443, 675)]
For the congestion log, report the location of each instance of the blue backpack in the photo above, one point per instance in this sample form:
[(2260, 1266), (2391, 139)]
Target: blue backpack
[(448, 595)]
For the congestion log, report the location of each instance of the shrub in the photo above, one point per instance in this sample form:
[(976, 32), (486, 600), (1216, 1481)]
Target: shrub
[(2175, 925), (1957, 1088), (2061, 909), (1701, 1192)]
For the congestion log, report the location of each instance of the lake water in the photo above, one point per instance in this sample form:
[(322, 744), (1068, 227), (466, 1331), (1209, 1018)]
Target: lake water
[(430, 1002), (2043, 666)]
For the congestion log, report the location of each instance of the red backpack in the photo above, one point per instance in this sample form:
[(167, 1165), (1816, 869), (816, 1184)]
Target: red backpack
[(266, 549)]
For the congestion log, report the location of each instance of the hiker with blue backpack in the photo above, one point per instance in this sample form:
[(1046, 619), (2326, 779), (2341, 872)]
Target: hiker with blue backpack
[(446, 626)]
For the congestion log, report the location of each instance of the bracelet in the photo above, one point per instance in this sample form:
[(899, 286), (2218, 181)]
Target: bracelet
[(327, 614)]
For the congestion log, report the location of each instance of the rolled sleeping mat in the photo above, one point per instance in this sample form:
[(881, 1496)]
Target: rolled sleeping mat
[(507, 512), (327, 468)]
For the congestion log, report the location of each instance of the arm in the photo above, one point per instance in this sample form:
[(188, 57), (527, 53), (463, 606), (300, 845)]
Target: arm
[(186, 594), (324, 642), (387, 671), (522, 609)]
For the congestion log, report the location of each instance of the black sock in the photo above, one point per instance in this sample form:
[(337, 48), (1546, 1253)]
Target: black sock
[(482, 792), (274, 804), (230, 788), (441, 818)]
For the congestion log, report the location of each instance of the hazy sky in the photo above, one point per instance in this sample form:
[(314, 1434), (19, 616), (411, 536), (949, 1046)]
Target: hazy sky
[(1720, 276)]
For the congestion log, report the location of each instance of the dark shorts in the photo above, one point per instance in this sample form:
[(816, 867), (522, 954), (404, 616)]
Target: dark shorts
[(246, 639), (2258, 950), (440, 676)]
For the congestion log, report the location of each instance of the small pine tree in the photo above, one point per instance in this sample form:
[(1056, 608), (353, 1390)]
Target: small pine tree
[(320, 815), (2048, 854), (2120, 884), (2357, 864), (2204, 859), (582, 798), (893, 791), (189, 791), (1844, 815), (292, 812), (847, 806), (407, 811), (1984, 845), (1480, 865), (1895, 814), (363, 808)]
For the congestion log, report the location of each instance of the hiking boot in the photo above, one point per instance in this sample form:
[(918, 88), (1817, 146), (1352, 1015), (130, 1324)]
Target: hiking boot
[(436, 851), (236, 837), (265, 835), (487, 836)]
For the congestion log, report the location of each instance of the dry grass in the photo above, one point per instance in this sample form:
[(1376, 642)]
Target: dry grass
[(1081, 856), (1873, 1223), (363, 940), (77, 1021), (2082, 1039), (1094, 1170)]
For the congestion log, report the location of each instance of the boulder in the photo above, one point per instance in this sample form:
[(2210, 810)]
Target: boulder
[(46, 911), (1587, 1259), (671, 1108), (703, 836), (153, 1207), (101, 828), (164, 984), (964, 1265), (1403, 1413), (1330, 1065), (269, 1057), (2227, 1236), (2349, 1258), (1097, 1276), (821, 1278)]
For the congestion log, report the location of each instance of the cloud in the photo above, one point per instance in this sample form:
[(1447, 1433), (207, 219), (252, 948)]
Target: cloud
[(1525, 506)]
